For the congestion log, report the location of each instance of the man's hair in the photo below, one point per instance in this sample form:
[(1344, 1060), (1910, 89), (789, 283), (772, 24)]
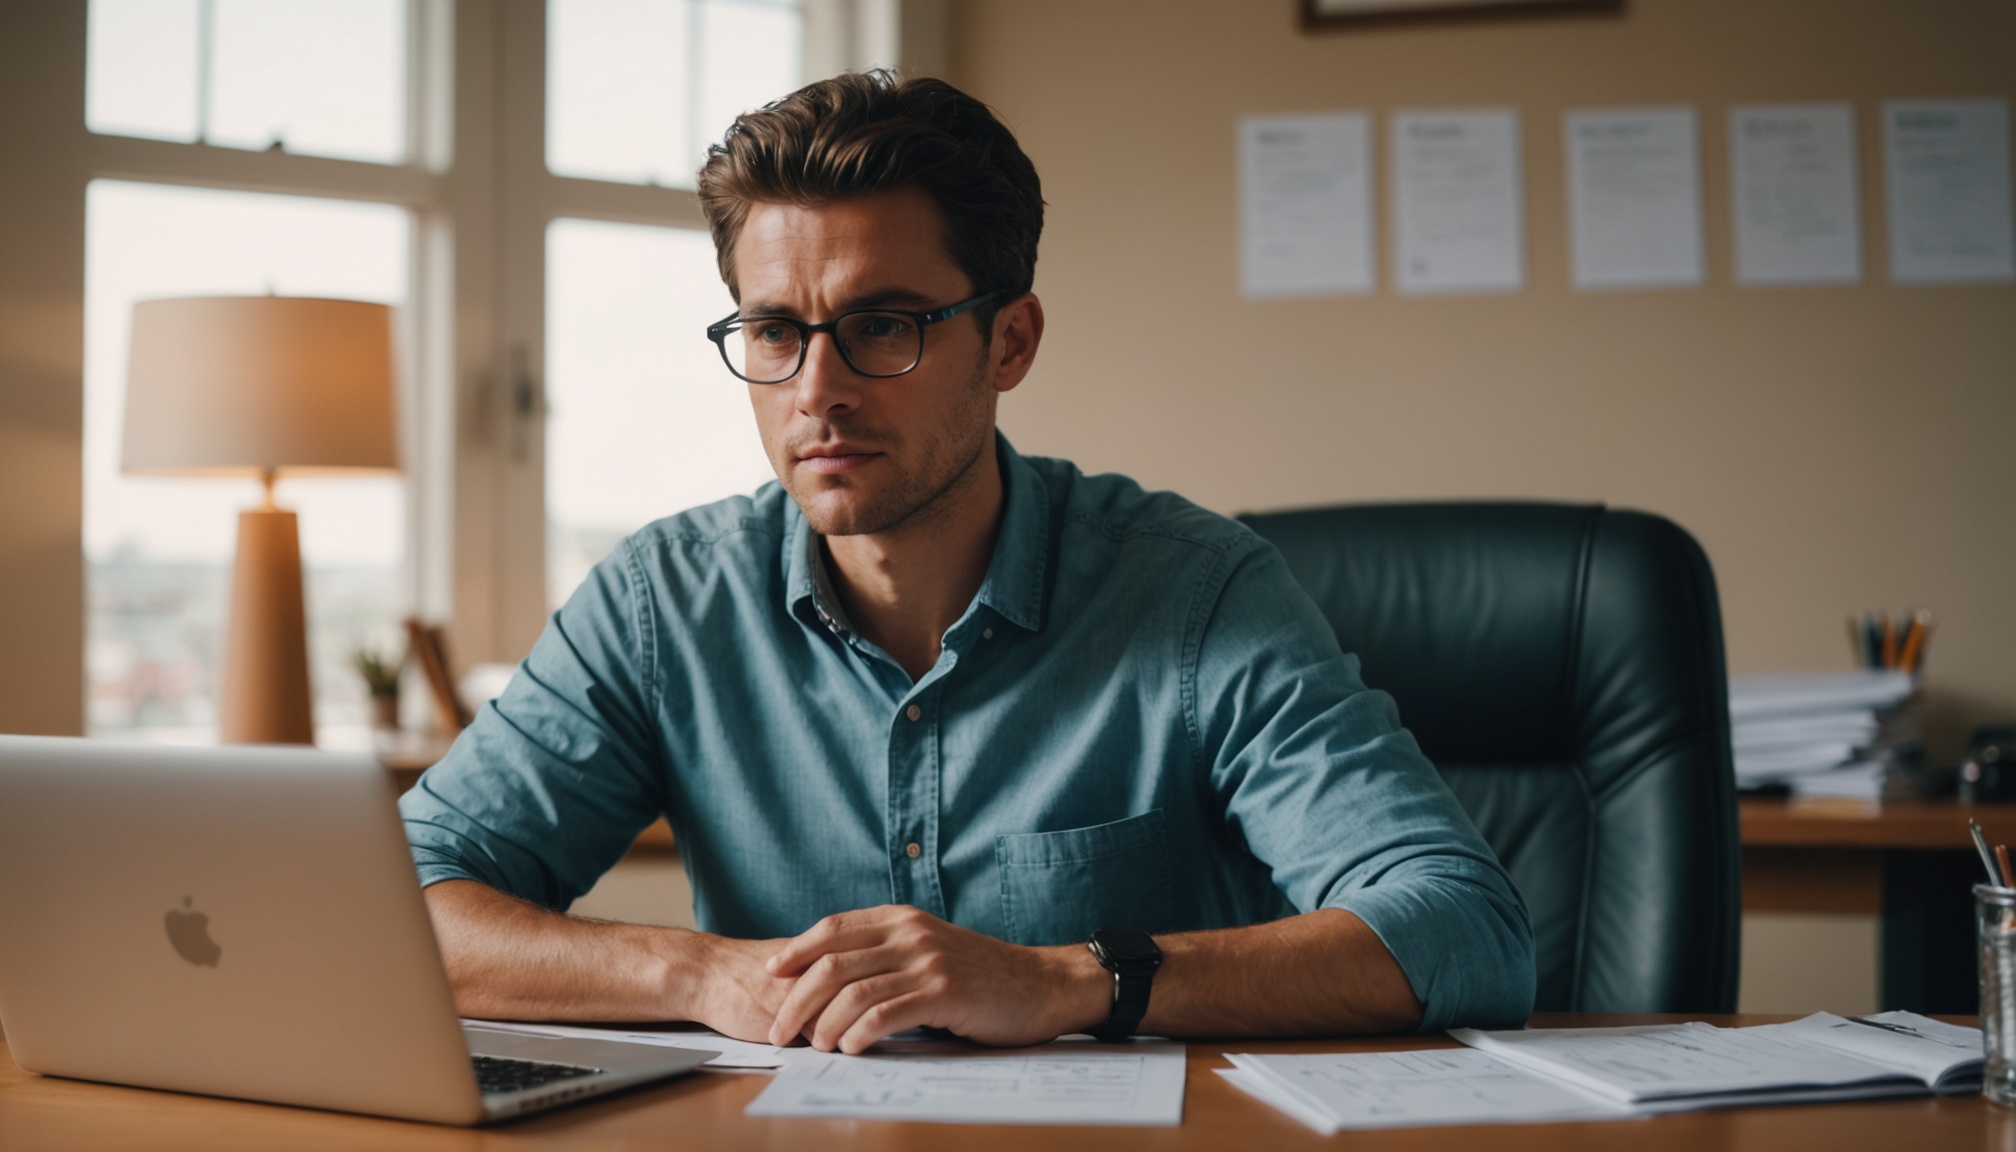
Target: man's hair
[(861, 133)]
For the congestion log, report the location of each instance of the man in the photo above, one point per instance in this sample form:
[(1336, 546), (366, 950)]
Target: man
[(928, 715)]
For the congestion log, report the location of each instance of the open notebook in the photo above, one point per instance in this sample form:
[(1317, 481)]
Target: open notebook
[(1672, 1067), (1615, 1073)]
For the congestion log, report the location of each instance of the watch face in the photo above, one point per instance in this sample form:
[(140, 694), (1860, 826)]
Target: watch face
[(1126, 945)]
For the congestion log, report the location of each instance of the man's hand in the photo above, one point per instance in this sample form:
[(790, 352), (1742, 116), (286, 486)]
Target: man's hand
[(864, 975), (736, 995), (508, 959)]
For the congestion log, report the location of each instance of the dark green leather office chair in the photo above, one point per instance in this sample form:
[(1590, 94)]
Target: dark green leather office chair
[(1562, 666)]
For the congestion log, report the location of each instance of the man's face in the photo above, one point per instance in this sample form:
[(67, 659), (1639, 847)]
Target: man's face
[(861, 454)]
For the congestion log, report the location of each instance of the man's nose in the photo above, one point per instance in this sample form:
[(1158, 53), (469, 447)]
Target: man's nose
[(826, 385)]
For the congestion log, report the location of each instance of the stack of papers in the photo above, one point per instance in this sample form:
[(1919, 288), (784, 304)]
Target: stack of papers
[(1336, 1091), (1615, 1073), (1824, 735)]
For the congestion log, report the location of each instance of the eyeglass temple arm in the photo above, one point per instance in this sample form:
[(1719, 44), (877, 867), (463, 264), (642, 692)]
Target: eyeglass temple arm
[(951, 310)]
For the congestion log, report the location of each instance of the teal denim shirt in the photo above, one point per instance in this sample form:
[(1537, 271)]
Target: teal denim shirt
[(1141, 720)]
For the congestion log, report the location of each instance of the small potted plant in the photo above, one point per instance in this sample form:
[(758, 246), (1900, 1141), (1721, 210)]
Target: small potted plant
[(381, 679)]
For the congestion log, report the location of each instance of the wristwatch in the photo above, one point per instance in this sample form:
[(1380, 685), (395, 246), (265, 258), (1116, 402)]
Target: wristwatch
[(1131, 955)]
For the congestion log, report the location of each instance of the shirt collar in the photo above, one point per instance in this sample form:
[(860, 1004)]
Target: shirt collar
[(1015, 576), (1020, 568)]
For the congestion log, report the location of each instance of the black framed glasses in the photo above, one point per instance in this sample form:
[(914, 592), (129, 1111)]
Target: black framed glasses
[(877, 342)]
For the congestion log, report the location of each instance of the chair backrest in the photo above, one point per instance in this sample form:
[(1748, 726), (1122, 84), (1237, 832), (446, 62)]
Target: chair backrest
[(1562, 666)]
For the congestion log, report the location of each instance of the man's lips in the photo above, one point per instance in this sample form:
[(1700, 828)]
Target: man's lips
[(835, 458)]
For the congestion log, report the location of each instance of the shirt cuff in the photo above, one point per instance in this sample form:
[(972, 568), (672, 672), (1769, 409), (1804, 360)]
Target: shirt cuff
[(1467, 954)]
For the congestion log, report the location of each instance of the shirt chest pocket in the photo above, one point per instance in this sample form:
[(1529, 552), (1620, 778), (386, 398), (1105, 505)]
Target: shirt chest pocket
[(1060, 887)]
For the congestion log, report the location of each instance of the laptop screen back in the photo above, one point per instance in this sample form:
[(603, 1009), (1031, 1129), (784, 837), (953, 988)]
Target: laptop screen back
[(232, 921)]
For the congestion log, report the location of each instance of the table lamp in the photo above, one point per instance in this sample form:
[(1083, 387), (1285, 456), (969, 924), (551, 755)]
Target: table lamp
[(248, 386)]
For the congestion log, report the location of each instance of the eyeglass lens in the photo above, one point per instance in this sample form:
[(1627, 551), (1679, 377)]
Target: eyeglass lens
[(873, 343)]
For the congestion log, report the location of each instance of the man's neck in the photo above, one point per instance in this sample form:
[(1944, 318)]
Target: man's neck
[(902, 589)]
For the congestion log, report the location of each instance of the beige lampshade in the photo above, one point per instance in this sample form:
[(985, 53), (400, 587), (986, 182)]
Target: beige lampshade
[(227, 385)]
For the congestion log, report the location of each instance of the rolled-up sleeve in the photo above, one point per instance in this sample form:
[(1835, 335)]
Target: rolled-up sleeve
[(1328, 790), (552, 782)]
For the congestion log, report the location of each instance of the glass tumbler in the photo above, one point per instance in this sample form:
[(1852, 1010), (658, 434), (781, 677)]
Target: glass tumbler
[(1995, 928)]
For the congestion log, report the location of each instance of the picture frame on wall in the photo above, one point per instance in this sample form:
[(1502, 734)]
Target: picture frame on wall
[(1327, 14)]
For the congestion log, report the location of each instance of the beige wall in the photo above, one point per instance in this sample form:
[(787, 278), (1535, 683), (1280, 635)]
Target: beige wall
[(1834, 449)]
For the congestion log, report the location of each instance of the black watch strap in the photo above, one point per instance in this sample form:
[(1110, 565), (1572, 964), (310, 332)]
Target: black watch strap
[(1133, 958)]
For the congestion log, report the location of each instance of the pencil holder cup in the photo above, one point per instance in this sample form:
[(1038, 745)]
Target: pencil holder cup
[(1995, 928)]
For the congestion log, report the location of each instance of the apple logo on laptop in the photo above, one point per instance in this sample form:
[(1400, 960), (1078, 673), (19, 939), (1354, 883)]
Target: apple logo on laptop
[(190, 933)]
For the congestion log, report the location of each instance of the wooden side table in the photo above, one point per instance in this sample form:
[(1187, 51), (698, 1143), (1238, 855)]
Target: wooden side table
[(1911, 863)]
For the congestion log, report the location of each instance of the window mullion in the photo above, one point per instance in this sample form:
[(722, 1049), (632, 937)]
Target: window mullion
[(513, 403), (621, 203), (165, 162)]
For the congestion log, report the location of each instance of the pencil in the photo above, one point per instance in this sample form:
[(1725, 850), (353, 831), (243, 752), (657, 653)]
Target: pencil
[(1914, 641), (1981, 846), (2002, 862), (1907, 651), (1889, 641)]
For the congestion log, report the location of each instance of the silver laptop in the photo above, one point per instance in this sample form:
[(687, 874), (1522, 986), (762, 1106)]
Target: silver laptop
[(246, 922)]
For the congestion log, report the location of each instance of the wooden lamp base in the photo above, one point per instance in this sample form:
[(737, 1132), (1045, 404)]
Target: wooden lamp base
[(265, 698)]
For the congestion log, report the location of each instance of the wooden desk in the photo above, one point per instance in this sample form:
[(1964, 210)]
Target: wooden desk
[(704, 1111), (1912, 863)]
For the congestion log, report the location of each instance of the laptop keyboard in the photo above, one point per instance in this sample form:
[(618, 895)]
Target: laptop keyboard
[(501, 1074)]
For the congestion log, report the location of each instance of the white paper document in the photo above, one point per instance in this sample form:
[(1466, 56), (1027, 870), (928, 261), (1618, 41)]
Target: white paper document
[(1066, 1082), (733, 1053), (1947, 169), (1634, 198), (1457, 206), (1561, 1074), (1335, 1091), (1690, 1065), (1795, 188), (1305, 205), (1948, 1057)]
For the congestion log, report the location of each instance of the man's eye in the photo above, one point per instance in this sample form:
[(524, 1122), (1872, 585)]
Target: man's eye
[(774, 333), (883, 327)]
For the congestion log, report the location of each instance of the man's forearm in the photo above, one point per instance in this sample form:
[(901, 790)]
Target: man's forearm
[(512, 960), (1322, 973)]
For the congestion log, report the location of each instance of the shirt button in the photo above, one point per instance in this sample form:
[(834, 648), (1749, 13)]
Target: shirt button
[(915, 713), (912, 850), (986, 634)]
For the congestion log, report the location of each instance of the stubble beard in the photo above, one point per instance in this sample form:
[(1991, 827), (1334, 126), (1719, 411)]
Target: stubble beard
[(920, 496)]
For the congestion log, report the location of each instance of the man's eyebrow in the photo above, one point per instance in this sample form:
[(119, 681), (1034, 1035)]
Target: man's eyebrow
[(884, 296)]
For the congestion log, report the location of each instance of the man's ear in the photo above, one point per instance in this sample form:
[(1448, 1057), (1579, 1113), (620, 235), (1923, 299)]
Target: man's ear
[(1018, 329)]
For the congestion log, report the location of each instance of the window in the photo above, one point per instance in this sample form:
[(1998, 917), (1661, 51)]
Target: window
[(159, 549), (304, 76), (551, 271), (636, 89), (645, 420), (284, 76)]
